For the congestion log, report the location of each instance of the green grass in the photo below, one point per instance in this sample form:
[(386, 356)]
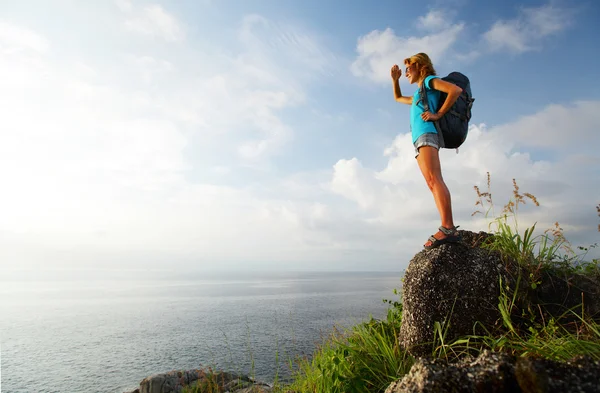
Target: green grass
[(548, 340), (365, 358), (528, 331)]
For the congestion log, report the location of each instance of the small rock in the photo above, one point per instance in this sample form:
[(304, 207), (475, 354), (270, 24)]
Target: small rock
[(500, 373)]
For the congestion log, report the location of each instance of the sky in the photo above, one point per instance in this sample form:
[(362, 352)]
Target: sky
[(263, 135)]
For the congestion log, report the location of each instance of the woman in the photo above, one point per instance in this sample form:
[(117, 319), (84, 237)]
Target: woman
[(419, 70)]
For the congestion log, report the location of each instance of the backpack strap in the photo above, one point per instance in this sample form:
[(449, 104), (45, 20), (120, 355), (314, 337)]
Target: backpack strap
[(423, 97)]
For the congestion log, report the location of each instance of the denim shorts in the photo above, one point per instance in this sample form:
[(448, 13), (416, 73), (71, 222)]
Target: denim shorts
[(428, 139)]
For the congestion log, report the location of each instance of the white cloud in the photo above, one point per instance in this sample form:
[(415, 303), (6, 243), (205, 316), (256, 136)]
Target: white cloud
[(150, 68), (558, 128), (277, 60), (124, 5), (153, 21), (434, 20), (525, 32), (379, 50), (22, 65), (547, 19), (295, 48), (16, 38), (108, 159), (221, 170), (507, 35), (356, 183), (388, 197)]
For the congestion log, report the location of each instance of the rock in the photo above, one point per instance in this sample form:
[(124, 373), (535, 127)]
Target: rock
[(558, 293), (490, 372), (175, 381), (256, 389), (236, 385), (456, 285), (581, 374), (497, 373), (475, 240)]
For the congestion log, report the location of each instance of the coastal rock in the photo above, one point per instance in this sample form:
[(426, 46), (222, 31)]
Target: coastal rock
[(175, 381), (498, 373), (455, 285), (558, 292), (256, 389), (490, 372), (581, 374), (455, 288)]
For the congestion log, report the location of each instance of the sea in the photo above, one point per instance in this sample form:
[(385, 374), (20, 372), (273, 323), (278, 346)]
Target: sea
[(103, 333)]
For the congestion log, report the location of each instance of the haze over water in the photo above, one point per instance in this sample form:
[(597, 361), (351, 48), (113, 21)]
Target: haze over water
[(106, 333)]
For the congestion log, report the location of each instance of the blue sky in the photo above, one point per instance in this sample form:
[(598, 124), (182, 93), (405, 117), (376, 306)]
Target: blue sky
[(264, 134)]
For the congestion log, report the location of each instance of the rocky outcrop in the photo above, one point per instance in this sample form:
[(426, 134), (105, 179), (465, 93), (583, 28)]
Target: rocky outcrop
[(453, 291), (498, 373), (175, 381), (455, 288), (455, 285)]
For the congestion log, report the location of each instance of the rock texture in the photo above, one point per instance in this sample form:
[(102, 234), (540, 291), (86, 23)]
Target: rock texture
[(456, 285), (175, 381), (497, 373), (558, 293)]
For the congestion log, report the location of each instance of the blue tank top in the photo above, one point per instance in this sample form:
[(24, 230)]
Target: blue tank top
[(418, 126)]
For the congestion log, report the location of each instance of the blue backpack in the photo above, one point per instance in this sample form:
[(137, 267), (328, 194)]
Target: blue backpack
[(454, 125)]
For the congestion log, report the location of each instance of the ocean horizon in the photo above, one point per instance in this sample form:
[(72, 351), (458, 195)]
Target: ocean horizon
[(107, 331)]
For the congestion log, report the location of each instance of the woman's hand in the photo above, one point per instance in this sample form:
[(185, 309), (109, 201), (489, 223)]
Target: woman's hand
[(428, 116), (396, 72)]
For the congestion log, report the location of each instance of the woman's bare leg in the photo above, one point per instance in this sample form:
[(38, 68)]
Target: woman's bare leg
[(429, 163)]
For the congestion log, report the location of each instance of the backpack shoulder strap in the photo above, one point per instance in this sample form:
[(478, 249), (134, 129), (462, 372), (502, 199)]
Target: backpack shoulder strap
[(423, 97)]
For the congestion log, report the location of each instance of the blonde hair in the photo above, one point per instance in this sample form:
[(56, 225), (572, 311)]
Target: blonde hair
[(424, 64)]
